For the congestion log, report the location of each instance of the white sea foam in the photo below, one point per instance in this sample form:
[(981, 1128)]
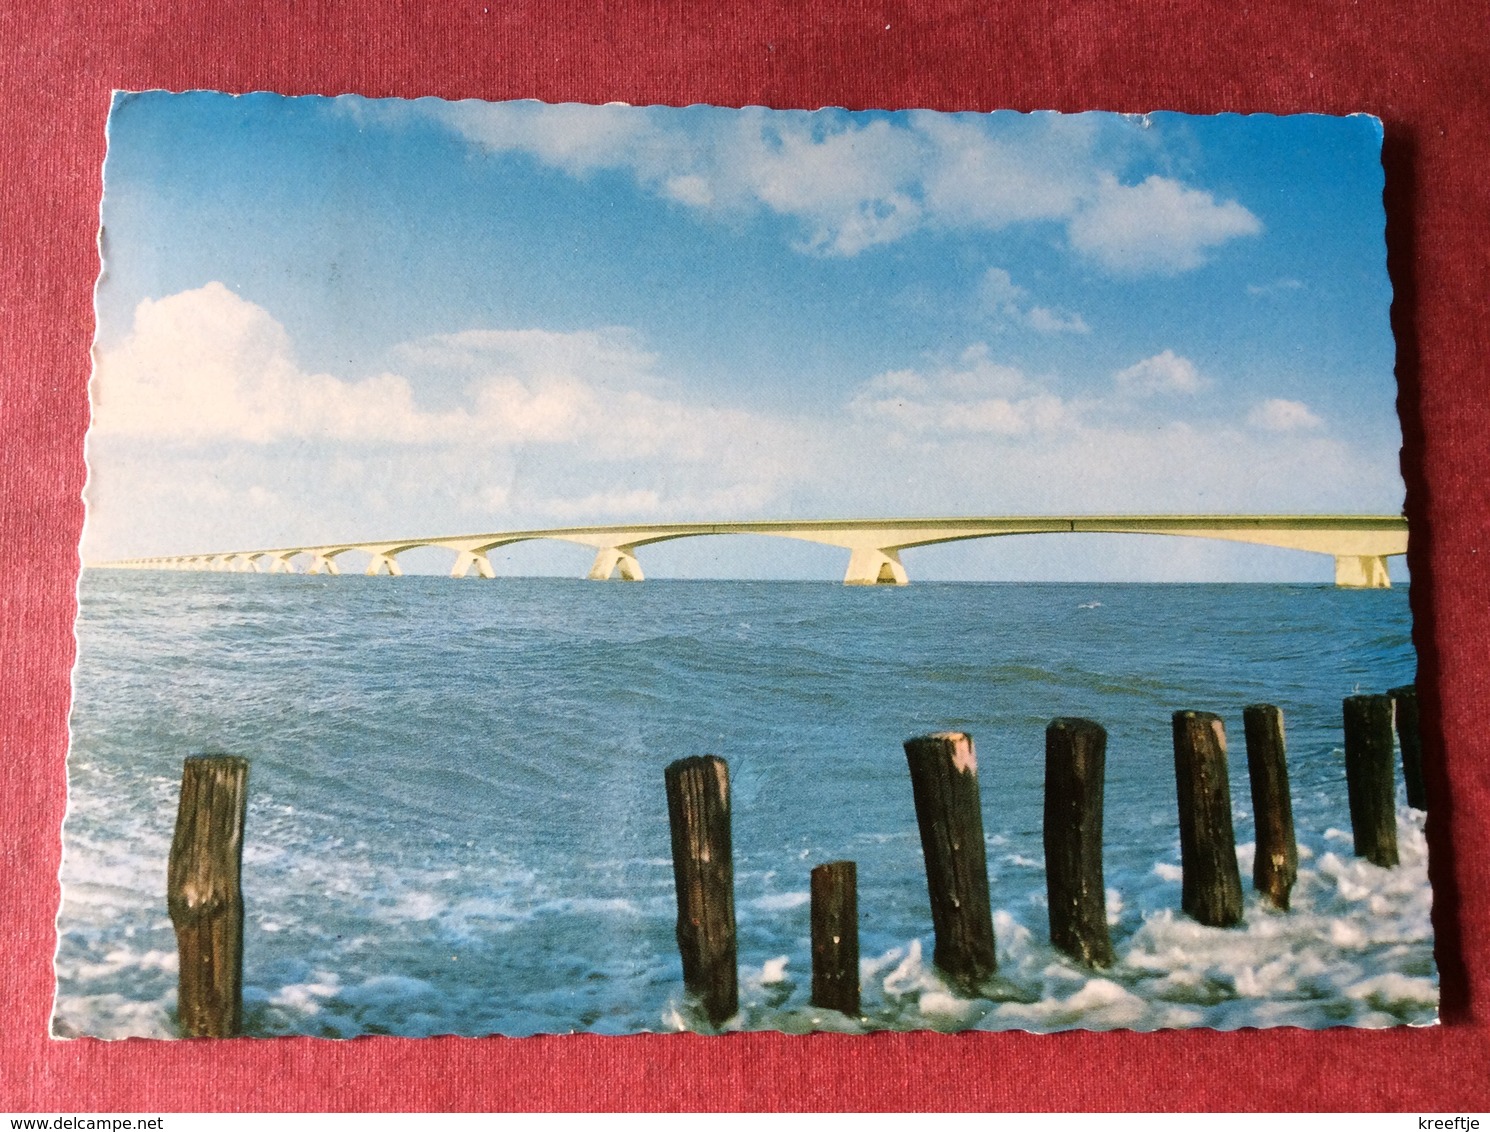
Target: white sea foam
[(1354, 950)]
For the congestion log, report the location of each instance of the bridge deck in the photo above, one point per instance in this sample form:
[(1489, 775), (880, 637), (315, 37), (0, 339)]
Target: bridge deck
[(1359, 544)]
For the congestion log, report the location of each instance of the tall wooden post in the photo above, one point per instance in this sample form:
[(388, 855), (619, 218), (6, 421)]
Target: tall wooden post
[(205, 896), (835, 937), (1075, 765), (944, 781), (1405, 705), (1277, 863), (1370, 779), (704, 870), (1211, 891)]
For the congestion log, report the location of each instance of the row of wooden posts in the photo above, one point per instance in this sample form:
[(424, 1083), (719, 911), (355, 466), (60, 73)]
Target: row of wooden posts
[(204, 892), (944, 782)]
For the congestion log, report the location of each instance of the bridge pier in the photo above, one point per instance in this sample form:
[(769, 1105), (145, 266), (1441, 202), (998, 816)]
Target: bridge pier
[(873, 567), (322, 564), (466, 559), (381, 563), (612, 557), (1362, 572)]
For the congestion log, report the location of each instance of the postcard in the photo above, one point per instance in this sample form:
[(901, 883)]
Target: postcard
[(557, 568)]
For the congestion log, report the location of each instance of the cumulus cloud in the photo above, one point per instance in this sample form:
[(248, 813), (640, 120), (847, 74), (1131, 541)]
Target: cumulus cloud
[(974, 396), (1163, 373), (1159, 226), (1009, 302), (1278, 415), (206, 365), (858, 183)]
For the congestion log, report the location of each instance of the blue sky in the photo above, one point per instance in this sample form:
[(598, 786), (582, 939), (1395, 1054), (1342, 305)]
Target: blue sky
[(342, 318)]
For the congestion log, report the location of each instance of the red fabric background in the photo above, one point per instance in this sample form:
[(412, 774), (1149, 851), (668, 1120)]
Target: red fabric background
[(1422, 67)]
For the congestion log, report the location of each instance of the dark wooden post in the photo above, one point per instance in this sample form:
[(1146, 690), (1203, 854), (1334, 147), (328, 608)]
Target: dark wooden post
[(1405, 704), (205, 897), (1075, 764), (1277, 864), (835, 937), (1211, 891), (704, 869), (944, 781), (1369, 778)]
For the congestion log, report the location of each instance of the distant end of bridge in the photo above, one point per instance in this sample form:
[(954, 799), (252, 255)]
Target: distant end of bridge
[(1359, 544)]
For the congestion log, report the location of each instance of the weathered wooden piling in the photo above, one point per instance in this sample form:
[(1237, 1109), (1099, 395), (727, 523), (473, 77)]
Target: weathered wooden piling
[(704, 870), (1075, 765), (835, 937), (1405, 707), (205, 897), (944, 781), (1211, 890), (1369, 778), (1276, 866)]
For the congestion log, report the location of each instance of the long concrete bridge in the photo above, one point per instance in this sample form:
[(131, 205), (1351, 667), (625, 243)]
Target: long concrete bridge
[(1359, 544)]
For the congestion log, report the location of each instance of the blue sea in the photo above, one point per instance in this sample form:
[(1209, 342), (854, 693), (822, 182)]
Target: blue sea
[(457, 822)]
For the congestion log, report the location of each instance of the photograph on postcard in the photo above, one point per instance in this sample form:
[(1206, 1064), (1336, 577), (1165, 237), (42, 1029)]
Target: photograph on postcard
[(558, 568)]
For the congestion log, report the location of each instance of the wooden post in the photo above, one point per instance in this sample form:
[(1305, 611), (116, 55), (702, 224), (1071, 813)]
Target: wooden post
[(1369, 778), (704, 870), (835, 937), (1405, 705), (205, 897), (1211, 891), (1075, 764), (1277, 863), (944, 781)]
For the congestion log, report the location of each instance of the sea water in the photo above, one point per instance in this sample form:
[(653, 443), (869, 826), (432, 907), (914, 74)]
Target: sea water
[(457, 821)]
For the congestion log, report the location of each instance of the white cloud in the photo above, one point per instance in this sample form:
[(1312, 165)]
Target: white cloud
[(973, 180), (592, 355), (1158, 226), (205, 365), (1163, 373), (576, 138), (977, 396), (857, 183), (1047, 321), (1276, 287), (1278, 415), (1002, 297), (999, 291)]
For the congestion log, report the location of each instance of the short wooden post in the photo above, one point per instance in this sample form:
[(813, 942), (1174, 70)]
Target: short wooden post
[(1276, 866), (835, 937), (1370, 779), (205, 897), (704, 870), (1211, 890), (944, 781), (1075, 764), (1405, 705)]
